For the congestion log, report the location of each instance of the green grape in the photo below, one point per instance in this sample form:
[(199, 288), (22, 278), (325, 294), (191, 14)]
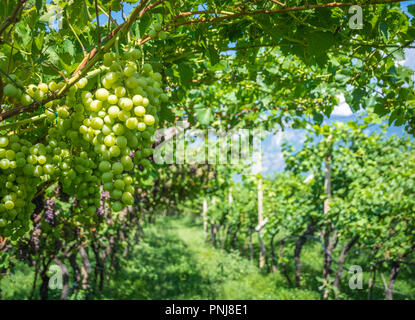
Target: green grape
[(117, 168), (118, 129), (107, 177), (139, 111), (119, 184), (131, 123), (112, 99), (102, 94), (115, 151), (149, 120), (141, 126), (4, 142), (113, 111), (117, 206), (120, 92), (104, 166), (4, 164), (109, 141), (10, 90)]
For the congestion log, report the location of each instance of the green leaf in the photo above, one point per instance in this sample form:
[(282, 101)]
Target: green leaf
[(411, 9), (384, 30), (186, 73), (69, 47), (213, 55), (166, 114), (39, 5), (204, 115)]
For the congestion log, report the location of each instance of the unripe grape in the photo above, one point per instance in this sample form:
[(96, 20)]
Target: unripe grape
[(4, 142), (41, 159), (135, 54), (107, 177), (117, 206), (95, 105), (102, 94), (106, 130), (63, 113), (126, 104), (164, 97), (149, 120), (147, 68), (127, 198), (152, 34), (112, 99), (157, 76), (10, 90), (97, 123), (26, 99), (38, 171), (127, 163), (139, 111), (128, 180), (129, 71), (82, 83), (48, 169), (131, 123), (131, 82), (43, 87), (137, 100), (104, 166), (9, 205), (141, 126), (107, 84), (109, 141), (115, 151), (120, 92), (4, 164), (145, 102), (108, 186), (117, 168), (113, 111), (119, 184), (121, 142), (53, 86), (123, 115), (118, 129)]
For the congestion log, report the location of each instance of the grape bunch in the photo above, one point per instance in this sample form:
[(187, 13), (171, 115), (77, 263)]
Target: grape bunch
[(96, 135)]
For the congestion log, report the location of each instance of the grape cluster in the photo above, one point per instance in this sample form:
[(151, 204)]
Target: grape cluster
[(97, 134)]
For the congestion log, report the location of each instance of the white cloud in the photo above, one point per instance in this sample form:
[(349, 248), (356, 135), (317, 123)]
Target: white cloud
[(342, 109)]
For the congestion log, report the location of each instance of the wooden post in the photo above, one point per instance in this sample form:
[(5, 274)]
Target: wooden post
[(328, 242), (260, 210), (204, 216)]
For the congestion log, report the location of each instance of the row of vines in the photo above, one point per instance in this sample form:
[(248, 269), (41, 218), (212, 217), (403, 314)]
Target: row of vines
[(85, 85)]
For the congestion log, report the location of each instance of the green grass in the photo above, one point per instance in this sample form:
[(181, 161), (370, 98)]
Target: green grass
[(173, 262)]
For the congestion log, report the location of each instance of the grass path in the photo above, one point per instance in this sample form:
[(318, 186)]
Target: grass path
[(173, 262)]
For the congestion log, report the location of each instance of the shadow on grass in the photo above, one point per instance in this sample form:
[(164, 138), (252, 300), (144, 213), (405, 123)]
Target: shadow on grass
[(160, 267)]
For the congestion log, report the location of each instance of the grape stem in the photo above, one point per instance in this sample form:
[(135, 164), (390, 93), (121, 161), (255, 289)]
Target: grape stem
[(23, 122)]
